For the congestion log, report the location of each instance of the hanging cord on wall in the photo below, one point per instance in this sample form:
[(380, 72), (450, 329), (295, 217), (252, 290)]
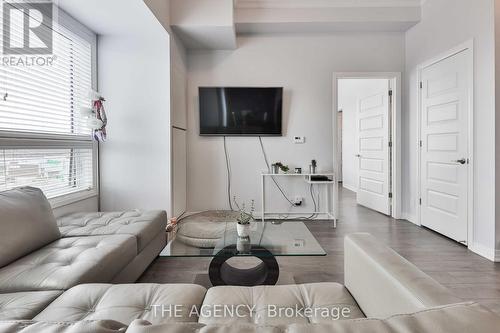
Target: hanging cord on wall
[(314, 215), (228, 168), (269, 170), (265, 155), (316, 206)]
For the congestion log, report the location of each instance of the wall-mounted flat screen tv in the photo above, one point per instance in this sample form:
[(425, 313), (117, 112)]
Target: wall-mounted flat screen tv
[(231, 111)]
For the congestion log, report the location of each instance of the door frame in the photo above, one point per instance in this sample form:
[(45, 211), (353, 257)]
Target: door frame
[(467, 47), (395, 79)]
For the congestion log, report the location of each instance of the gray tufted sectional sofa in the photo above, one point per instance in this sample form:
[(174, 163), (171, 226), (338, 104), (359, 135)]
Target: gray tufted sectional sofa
[(70, 276), (40, 257)]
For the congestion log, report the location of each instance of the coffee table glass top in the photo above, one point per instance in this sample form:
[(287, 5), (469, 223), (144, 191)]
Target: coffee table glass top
[(290, 238)]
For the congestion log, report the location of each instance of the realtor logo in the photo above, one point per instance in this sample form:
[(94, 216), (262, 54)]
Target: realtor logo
[(27, 28)]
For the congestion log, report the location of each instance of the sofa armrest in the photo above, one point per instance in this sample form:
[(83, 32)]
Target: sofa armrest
[(384, 283)]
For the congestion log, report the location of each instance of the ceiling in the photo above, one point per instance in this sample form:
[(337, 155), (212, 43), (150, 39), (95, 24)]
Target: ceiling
[(114, 17), (325, 16), (325, 3), (215, 24)]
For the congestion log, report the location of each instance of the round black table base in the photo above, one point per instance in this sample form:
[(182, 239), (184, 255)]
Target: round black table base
[(223, 274)]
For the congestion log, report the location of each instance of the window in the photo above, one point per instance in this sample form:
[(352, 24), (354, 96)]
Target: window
[(44, 141), (56, 171)]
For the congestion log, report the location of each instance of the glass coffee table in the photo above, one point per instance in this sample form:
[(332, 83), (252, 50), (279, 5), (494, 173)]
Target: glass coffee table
[(220, 241)]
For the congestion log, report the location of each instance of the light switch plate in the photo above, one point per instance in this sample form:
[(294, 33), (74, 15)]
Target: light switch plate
[(299, 139)]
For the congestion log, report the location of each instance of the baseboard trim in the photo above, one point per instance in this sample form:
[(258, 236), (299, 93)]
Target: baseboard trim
[(483, 251), (409, 217), (350, 188)]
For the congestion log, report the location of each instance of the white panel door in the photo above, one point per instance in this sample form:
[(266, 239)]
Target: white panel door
[(444, 147), (373, 129)]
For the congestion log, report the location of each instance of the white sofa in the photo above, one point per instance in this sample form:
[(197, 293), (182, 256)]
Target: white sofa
[(383, 292), (40, 257)]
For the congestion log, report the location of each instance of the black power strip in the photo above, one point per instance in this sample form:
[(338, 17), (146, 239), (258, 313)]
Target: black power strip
[(320, 179)]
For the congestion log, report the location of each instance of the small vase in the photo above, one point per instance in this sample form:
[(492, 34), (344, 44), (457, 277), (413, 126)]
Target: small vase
[(275, 169), (243, 245), (243, 230)]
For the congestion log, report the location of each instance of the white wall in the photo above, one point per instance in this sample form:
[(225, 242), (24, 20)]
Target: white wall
[(446, 24), (303, 65), (178, 109), (497, 124), (350, 91), (87, 205), (134, 77)]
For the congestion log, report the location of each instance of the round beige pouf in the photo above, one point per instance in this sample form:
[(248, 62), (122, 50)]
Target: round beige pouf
[(203, 230)]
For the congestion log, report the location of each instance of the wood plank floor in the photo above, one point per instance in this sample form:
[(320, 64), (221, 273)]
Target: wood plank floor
[(466, 274)]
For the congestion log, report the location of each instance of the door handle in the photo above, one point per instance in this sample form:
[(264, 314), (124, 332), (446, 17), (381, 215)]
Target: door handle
[(358, 155), (462, 161)]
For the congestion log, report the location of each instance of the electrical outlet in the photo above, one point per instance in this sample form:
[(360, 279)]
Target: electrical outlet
[(298, 201), (299, 139)]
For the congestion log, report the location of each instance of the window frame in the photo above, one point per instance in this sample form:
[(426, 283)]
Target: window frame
[(25, 140)]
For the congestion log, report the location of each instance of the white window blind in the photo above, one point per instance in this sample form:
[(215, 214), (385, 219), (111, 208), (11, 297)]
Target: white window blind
[(44, 141), (47, 98), (57, 171)]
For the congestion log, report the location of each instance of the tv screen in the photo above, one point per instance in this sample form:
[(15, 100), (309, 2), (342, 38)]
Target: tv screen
[(241, 111)]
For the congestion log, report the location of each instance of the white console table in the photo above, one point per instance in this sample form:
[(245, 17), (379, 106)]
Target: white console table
[(331, 194)]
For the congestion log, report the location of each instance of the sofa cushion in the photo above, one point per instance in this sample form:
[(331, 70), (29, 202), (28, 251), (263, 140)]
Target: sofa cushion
[(143, 326), (394, 285), (457, 318), (280, 305), (125, 303), (28, 326), (27, 215), (68, 262), (454, 318), (25, 305), (145, 226)]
